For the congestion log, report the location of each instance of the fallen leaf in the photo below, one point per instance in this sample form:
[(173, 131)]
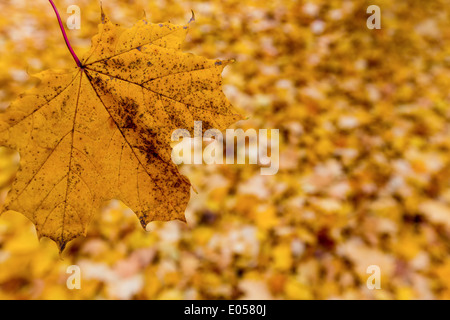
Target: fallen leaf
[(102, 131), (436, 212)]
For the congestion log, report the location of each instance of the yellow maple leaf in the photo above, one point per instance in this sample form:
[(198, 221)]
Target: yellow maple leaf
[(102, 130)]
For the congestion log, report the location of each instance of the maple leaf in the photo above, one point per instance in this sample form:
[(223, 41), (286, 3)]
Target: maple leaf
[(102, 130)]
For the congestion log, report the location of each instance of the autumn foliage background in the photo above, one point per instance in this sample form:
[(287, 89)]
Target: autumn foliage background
[(364, 158)]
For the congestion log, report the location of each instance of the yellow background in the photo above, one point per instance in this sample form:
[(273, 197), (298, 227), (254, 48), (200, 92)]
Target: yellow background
[(364, 158)]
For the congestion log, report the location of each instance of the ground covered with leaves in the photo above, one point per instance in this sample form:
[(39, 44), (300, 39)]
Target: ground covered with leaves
[(364, 158)]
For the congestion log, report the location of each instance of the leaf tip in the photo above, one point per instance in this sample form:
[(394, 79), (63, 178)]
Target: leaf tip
[(38, 234), (224, 63), (192, 17), (230, 61), (61, 255), (3, 209), (61, 246), (103, 16), (143, 223)]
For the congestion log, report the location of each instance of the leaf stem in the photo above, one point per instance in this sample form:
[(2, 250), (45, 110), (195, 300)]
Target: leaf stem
[(65, 35)]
